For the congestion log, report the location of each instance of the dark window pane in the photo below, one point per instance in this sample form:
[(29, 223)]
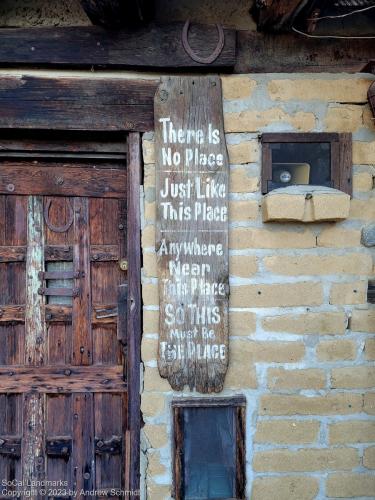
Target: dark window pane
[(301, 163), (209, 453)]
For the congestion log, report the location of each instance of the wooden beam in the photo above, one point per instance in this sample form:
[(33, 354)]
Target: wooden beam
[(134, 315), (29, 102), (66, 379), (117, 13), (152, 47), (276, 15), (288, 53)]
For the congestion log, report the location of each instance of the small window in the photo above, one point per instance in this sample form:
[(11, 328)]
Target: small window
[(317, 159), (56, 283), (209, 451)]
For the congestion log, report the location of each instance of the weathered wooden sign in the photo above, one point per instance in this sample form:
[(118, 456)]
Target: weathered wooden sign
[(192, 232)]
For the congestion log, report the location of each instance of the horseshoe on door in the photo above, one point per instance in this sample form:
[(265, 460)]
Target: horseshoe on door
[(52, 227), (203, 60)]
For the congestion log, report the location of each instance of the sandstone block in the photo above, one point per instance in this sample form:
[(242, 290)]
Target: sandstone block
[(152, 404), (363, 320), (150, 321), (241, 238), (243, 266), (350, 263), (336, 350), (363, 181), (280, 379), (332, 90), (363, 153), (287, 431), (350, 485), (237, 87), (278, 295), (241, 323), (343, 118), (243, 152), (153, 381), (357, 377), (348, 293), (369, 403), (331, 404), (352, 431), (285, 488), (336, 237), (321, 323), (256, 120), (370, 349), (241, 181), (369, 457), (306, 460), (243, 210), (156, 435)]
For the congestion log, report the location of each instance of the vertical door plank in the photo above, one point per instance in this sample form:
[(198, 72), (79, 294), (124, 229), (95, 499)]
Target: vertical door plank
[(34, 320), (134, 305), (83, 443), (59, 423), (33, 460), (82, 338)]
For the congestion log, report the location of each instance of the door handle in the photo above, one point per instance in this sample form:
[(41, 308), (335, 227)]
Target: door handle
[(122, 309)]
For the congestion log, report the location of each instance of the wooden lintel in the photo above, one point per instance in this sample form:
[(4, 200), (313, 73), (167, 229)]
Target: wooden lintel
[(42, 179), (101, 104), (276, 15), (153, 47), (292, 53)]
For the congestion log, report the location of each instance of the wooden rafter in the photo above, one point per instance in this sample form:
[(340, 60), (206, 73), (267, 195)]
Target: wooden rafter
[(277, 15), (118, 13)]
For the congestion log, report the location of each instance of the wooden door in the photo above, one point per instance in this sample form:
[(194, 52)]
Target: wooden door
[(63, 355)]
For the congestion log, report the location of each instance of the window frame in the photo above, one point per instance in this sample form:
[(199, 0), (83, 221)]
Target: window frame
[(178, 405), (341, 155)]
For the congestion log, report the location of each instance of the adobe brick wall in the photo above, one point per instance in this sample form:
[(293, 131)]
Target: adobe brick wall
[(302, 345)]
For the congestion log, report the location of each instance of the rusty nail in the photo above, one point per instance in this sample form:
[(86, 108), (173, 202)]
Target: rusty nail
[(39, 460), (12, 450), (10, 187), (1, 313), (64, 450), (100, 444), (59, 181), (95, 256), (67, 372), (82, 350), (121, 226), (2, 442), (52, 443), (308, 196), (86, 475), (48, 316)]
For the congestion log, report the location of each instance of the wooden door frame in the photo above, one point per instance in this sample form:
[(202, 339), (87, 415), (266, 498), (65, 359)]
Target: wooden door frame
[(25, 111)]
